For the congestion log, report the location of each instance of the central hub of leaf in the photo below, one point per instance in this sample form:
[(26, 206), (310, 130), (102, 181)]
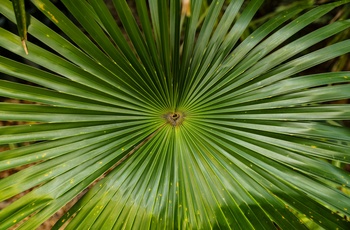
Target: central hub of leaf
[(175, 119)]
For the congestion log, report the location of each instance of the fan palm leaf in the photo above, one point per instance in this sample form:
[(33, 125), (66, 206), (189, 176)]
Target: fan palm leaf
[(174, 123)]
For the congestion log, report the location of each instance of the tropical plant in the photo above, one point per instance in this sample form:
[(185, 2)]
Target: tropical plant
[(179, 124)]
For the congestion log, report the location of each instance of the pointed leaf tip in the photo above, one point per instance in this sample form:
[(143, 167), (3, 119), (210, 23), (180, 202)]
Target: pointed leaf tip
[(24, 44), (20, 13), (186, 8)]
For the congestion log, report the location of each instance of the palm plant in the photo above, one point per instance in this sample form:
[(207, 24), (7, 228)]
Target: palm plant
[(178, 126)]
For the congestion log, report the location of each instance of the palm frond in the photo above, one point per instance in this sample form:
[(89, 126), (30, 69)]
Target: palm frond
[(172, 122)]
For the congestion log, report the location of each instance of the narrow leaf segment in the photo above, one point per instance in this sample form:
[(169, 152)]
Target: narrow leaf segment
[(21, 18)]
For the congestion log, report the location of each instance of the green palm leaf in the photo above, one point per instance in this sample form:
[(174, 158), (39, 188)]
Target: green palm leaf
[(21, 19), (173, 123)]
